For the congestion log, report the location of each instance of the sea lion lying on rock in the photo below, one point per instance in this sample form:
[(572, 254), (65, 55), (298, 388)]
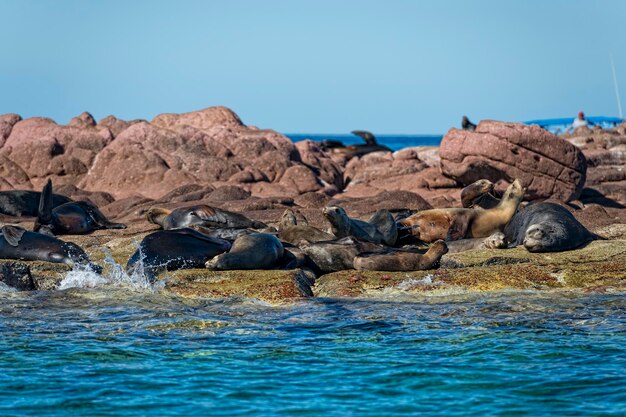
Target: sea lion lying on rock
[(174, 249), (459, 223), (337, 255), (350, 151), (479, 194), (26, 203), (290, 231), (402, 260), (201, 215), (73, 218), (381, 227), (18, 243), (253, 251), (546, 227)]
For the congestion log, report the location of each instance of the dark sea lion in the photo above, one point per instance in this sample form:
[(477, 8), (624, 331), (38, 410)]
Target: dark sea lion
[(546, 227), (467, 125), (175, 249), (351, 151), (402, 260), (201, 215), (290, 231), (344, 226), (478, 194), (459, 223), (253, 251), (229, 233), (73, 218), (337, 255), (18, 243), (25, 203)]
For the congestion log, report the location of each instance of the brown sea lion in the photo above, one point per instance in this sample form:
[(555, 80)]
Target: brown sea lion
[(459, 223), (479, 194), (253, 251), (26, 203), (73, 218), (546, 227), (18, 243), (201, 215), (290, 231), (174, 249), (402, 260), (381, 227)]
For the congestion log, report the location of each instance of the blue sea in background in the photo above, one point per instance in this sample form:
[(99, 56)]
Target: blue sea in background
[(126, 352), (394, 142)]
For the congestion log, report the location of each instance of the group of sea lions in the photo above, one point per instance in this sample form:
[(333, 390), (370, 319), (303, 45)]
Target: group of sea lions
[(202, 236)]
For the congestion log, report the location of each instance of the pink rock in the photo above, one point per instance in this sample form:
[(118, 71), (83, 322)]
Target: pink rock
[(547, 165)]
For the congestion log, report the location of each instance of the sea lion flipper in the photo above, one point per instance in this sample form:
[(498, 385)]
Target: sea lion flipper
[(44, 213), (12, 234), (99, 218), (386, 225)]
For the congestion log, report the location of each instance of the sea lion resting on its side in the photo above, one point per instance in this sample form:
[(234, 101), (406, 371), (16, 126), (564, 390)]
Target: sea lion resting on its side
[(381, 227), (26, 203), (459, 223), (402, 260), (201, 215), (253, 251), (337, 255), (73, 218), (19, 243), (546, 227), (175, 249)]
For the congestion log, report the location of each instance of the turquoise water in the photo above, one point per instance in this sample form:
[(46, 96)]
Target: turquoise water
[(394, 142), (115, 352)]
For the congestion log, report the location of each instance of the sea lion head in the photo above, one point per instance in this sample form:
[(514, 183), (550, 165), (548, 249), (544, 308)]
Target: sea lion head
[(338, 217), (541, 236), (514, 192), (157, 215), (288, 218)]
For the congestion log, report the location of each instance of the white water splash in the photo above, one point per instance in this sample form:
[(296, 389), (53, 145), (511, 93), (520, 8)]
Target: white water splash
[(114, 275), (412, 283)]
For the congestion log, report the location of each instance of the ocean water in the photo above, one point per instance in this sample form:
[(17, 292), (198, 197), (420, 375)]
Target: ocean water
[(394, 142), (122, 351)]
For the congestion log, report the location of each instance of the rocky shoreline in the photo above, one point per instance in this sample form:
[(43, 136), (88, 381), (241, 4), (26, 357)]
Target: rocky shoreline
[(211, 157)]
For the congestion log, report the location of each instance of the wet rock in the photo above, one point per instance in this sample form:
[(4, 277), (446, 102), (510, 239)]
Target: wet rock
[(549, 167), (271, 286)]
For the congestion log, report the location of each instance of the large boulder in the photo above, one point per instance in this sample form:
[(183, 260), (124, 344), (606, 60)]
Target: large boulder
[(548, 166)]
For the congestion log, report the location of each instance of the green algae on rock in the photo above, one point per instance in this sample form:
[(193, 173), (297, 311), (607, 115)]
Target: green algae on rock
[(272, 286)]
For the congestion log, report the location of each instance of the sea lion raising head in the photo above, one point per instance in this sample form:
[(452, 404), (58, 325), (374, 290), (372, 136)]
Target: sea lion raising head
[(381, 228), (289, 230), (201, 215), (479, 194), (467, 125)]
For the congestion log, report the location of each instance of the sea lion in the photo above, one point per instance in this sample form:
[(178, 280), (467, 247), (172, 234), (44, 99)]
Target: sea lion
[(546, 227), (495, 241), (201, 215), (26, 203), (73, 218), (253, 251), (467, 125), (351, 151), (381, 227), (337, 255), (290, 231), (175, 249), (19, 243), (479, 194), (459, 223), (402, 260)]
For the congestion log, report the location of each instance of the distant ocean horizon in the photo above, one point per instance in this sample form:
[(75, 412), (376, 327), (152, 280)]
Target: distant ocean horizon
[(394, 142)]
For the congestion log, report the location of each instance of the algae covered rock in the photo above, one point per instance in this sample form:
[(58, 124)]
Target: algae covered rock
[(272, 286)]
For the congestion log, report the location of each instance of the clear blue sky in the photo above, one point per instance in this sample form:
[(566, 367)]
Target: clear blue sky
[(314, 66)]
